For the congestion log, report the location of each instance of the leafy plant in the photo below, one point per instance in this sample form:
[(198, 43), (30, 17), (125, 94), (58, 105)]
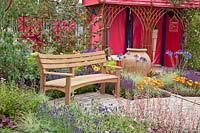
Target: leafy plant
[(15, 100), (29, 122), (12, 57), (167, 79)]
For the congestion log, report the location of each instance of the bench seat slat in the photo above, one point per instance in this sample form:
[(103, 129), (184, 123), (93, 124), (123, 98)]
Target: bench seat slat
[(72, 60), (50, 56), (83, 80)]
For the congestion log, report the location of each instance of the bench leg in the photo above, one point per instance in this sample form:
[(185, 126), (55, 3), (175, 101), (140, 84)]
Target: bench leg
[(117, 89), (67, 96), (42, 91), (103, 86)]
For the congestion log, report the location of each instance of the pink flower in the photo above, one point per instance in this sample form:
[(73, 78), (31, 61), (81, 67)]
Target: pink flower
[(150, 130)]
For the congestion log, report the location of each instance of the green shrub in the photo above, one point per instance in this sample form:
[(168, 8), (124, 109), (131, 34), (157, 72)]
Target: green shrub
[(15, 100), (166, 78), (29, 122), (17, 64), (11, 57), (192, 44)]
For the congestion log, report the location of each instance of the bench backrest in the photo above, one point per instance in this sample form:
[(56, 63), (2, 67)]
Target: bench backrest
[(47, 61)]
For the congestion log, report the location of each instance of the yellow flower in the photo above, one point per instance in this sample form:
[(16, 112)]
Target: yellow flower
[(196, 82), (190, 82), (139, 85), (95, 68), (182, 79), (75, 52), (175, 78), (155, 88)]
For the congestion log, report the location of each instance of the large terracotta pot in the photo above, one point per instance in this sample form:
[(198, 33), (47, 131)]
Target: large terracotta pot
[(136, 61)]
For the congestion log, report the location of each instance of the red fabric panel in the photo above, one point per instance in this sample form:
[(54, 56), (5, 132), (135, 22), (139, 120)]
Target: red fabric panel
[(137, 29), (95, 27), (173, 40), (116, 33), (90, 2), (157, 56)]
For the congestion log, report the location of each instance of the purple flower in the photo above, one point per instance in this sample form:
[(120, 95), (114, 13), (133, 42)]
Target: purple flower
[(136, 56), (169, 52), (143, 59), (96, 122), (102, 108), (85, 51), (93, 50), (76, 130)]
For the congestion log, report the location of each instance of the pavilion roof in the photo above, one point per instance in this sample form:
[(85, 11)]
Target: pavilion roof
[(154, 3)]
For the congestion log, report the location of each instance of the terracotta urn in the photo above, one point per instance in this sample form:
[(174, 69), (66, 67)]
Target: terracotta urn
[(136, 61)]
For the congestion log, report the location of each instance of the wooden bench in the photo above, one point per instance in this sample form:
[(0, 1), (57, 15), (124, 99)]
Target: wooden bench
[(47, 62)]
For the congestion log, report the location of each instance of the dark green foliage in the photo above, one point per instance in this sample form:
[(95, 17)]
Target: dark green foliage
[(15, 100), (13, 57), (16, 62), (193, 41)]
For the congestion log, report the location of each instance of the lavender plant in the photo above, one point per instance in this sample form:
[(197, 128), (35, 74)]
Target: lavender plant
[(78, 119)]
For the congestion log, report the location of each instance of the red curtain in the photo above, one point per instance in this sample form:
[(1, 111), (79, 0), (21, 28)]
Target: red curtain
[(173, 39), (137, 29), (116, 39), (157, 56)]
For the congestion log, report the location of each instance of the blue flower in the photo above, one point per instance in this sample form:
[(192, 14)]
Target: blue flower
[(168, 52), (119, 56), (188, 56)]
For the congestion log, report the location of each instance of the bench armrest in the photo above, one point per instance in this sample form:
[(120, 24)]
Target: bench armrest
[(59, 74), (116, 67)]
